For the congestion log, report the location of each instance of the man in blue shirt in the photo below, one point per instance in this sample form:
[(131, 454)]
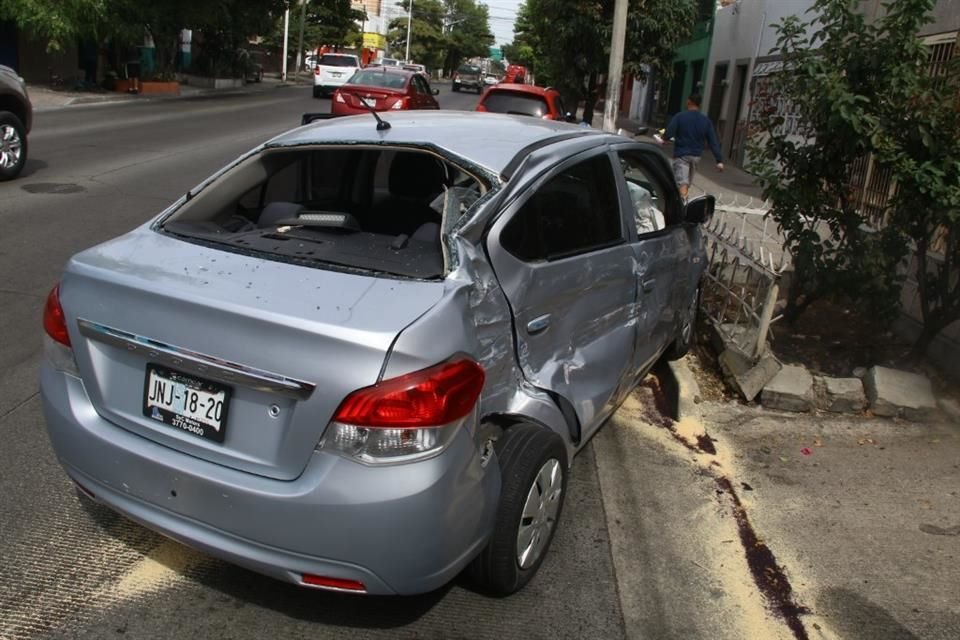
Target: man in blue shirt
[(688, 130)]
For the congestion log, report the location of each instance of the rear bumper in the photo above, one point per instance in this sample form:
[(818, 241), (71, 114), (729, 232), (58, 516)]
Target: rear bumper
[(399, 530), (329, 84)]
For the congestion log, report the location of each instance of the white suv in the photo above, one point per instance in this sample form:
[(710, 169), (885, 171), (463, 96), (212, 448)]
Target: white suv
[(332, 71)]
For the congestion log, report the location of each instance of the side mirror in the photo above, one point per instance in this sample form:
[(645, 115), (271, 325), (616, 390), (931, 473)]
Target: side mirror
[(435, 92), (699, 210), (569, 117)]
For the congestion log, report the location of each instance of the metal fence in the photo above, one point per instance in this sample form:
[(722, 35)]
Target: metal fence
[(742, 282)]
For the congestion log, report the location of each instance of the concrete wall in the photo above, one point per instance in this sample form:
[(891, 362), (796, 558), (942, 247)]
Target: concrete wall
[(742, 32), (689, 56), (946, 15)]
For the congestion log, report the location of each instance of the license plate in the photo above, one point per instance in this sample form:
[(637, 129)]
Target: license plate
[(335, 75), (190, 404), (370, 102)]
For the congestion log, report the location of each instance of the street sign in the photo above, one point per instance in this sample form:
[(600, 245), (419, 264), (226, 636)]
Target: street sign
[(496, 53)]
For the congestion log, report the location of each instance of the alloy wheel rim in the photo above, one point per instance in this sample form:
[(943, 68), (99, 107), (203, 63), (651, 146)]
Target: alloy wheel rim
[(11, 147), (539, 514)]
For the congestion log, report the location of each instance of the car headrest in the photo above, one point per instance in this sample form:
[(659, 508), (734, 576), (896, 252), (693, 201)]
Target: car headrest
[(416, 175)]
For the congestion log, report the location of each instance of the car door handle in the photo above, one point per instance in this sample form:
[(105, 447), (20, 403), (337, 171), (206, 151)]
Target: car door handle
[(648, 284), (538, 324)]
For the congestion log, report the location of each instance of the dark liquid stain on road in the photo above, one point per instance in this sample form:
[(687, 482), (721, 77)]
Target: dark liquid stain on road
[(58, 188), (768, 575)]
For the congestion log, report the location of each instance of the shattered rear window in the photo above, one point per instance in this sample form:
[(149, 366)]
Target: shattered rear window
[(377, 209)]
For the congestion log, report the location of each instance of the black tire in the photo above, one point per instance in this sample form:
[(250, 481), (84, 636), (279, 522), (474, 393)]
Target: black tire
[(686, 330), (17, 137), (455, 88), (317, 92), (522, 452)]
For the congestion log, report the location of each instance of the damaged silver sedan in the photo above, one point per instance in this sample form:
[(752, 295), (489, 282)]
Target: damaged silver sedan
[(361, 358)]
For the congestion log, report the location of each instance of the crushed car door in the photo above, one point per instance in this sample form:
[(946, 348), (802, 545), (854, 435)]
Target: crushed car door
[(562, 258), (661, 249)]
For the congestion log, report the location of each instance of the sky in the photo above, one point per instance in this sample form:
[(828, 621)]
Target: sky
[(502, 15)]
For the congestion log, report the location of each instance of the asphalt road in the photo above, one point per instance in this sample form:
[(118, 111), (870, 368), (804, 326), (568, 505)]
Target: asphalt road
[(74, 570)]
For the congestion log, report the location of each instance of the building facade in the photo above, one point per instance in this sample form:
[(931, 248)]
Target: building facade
[(740, 57)]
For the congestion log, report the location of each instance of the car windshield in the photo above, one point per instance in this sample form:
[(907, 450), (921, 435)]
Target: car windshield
[(338, 61), (468, 71), (370, 208), (522, 104), (379, 78)]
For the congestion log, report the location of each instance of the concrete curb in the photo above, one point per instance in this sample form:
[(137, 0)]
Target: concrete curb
[(107, 100), (682, 390)]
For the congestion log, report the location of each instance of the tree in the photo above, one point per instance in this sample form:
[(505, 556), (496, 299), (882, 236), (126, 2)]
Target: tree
[(855, 89), (226, 24), (570, 40), (468, 32), (427, 42), (57, 21), (328, 22)]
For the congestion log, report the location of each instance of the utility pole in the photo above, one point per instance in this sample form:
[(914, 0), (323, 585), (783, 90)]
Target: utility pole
[(409, 24), (303, 20), (286, 36), (615, 71)]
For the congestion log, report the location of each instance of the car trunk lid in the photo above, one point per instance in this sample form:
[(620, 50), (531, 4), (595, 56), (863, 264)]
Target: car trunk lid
[(359, 96), (286, 342)]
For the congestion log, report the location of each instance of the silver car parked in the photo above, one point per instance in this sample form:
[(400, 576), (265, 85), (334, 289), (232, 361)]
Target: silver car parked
[(361, 358)]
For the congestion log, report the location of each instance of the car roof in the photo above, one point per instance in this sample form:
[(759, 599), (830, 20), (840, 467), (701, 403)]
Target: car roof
[(490, 140), (343, 55), (522, 88), (384, 68)]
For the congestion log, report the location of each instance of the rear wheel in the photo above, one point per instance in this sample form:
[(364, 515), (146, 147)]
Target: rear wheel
[(317, 92), (456, 88), (533, 469), (13, 146)]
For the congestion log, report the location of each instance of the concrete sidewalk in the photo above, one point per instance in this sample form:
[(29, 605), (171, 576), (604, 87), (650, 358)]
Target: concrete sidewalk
[(45, 98), (738, 522)]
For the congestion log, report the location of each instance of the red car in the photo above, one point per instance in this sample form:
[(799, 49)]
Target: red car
[(524, 100), (384, 89), (516, 74)]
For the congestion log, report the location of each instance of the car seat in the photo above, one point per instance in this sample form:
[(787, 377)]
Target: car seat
[(415, 180)]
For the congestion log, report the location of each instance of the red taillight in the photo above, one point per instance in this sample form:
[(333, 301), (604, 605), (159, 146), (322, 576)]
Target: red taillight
[(316, 71), (427, 398), (54, 322), (333, 583), (480, 107)]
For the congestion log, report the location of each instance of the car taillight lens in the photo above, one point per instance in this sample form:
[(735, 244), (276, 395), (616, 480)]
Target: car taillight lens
[(401, 103), (338, 97), (56, 342), (427, 398), (406, 418), (54, 322), (316, 71), (480, 107)]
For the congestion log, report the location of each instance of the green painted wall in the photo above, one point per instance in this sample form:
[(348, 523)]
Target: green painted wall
[(690, 57)]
